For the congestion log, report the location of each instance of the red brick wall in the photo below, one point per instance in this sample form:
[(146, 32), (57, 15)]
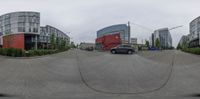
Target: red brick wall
[(14, 41)]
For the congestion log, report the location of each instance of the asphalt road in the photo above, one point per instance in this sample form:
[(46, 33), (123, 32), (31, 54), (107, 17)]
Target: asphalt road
[(79, 74)]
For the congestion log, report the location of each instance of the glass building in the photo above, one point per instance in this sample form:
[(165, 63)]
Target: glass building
[(122, 29), (47, 31), (194, 38), (164, 36), (20, 29)]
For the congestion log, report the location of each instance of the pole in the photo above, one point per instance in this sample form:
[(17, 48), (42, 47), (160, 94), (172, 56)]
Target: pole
[(129, 32)]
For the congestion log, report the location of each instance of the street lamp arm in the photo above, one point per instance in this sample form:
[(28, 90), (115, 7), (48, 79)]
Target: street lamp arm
[(176, 27)]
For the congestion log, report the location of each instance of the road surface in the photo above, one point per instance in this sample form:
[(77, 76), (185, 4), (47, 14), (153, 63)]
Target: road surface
[(79, 74)]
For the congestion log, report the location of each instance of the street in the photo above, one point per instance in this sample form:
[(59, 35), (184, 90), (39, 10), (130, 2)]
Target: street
[(101, 75)]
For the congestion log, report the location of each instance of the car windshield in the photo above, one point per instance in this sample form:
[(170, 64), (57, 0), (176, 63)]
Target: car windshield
[(99, 49)]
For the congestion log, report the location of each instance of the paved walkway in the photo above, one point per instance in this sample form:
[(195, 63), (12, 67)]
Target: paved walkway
[(97, 75)]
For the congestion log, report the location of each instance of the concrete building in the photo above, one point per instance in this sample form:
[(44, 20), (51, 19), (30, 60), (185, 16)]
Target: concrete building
[(194, 38), (22, 30), (164, 36), (133, 40)]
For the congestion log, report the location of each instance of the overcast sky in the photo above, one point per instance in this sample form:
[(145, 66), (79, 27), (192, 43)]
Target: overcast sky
[(82, 18)]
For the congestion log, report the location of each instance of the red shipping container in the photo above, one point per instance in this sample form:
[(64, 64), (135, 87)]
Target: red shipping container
[(109, 41)]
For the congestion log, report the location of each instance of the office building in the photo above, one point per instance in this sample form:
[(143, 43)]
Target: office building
[(194, 38), (164, 36), (133, 40), (112, 36), (22, 30)]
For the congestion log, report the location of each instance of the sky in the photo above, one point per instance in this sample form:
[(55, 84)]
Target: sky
[(80, 19)]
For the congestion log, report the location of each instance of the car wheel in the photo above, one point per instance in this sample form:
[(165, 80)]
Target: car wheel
[(130, 52), (113, 52)]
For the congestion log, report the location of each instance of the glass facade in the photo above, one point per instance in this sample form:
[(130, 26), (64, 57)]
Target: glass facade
[(47, 31), (27, 25), (194, 38), (20, 22), (164, 36), (123, 29)]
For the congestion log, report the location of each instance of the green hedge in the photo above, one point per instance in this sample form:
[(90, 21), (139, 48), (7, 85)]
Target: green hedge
[(192, 50), (21, 53), (40, 52), (11, 52)]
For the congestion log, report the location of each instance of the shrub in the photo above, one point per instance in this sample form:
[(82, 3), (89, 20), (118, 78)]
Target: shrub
[(40, 52), (192, 50), (11, 52), (19, 52)]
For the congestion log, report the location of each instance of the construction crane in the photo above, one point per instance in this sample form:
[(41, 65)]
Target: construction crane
[(176, 27)]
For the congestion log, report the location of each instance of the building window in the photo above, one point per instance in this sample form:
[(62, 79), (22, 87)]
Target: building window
[(7, 21), (7, 29), (7, 32), (21, 24), (35, 30), (30, 29), (21, 19), (21, 29)]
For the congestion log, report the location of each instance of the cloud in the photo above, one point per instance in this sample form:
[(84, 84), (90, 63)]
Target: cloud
[(84, 17)]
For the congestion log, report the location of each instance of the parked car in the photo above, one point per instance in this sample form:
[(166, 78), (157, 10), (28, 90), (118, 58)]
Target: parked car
[(89, 49), (122, 49), (153, 48)]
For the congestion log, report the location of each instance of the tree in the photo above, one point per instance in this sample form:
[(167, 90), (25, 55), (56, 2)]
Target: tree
[(184, 45), (77, 46), (72, 45), (178, 47), (62, 44), (147, 43), (157, 43), (57, 43), (52, 41)]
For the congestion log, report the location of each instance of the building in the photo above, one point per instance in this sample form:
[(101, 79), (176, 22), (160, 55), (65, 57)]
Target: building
[(45, 34), (1, 40), (184, 40), (164, 37), (151, 40), (22, 30), (85, 45), (133, 41), (194, 33), (115, 35)]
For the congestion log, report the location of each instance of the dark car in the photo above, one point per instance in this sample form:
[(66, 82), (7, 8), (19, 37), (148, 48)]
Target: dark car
[(122, 49), (89, 49)]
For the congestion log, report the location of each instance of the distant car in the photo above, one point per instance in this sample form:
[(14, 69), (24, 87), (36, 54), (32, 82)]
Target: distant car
[(153, 48), (122, 49), (89, 49)]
